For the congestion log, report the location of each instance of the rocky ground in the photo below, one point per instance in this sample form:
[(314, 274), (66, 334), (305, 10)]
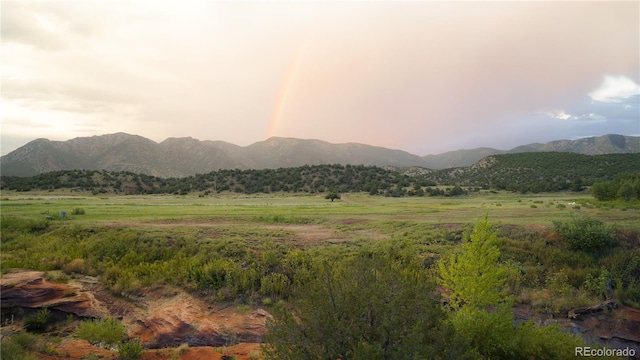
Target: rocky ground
[(170, 322)]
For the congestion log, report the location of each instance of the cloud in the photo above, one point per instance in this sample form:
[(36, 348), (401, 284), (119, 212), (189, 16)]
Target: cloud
[(617, 99), (420, 76), (615, 89)]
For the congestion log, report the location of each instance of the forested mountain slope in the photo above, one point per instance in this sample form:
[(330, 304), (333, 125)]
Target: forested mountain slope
[(524, 172)]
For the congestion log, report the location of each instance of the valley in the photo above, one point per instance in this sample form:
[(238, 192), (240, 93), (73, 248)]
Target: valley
[(194, 277)]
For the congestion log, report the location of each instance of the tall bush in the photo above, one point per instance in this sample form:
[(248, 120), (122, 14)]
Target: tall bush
[(586, 234)]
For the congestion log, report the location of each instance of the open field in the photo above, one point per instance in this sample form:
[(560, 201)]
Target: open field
[(507, 208)]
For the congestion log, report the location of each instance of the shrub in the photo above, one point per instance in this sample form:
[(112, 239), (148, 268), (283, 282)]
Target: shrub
[(24, 340), (75, 266), (101, 332), (17, 346), (38, 321), (131, 350), (586, 234), (78, 211), (274, 284), (353, 307)]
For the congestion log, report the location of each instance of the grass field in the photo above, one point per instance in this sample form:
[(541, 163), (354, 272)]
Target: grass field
[(508, 208)]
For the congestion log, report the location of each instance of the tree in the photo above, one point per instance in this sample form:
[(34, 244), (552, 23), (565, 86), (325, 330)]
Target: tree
[(603, 191), (481, 313), (332, 196), (474, 276)]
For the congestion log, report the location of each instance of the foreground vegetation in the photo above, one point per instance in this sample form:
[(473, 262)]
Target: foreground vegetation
[(352, 278)]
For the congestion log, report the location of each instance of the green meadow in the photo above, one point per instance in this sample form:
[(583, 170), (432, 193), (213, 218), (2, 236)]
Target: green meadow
[(507, 208)]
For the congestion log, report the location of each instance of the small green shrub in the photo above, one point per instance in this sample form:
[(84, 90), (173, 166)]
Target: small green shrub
[(267, 301), (586, 234), (131, 350), (38, 321), (24, 340), (92, 356), (17, 347), (275, 284), (78, 266), (243, 309), (101, 331), (78, 211)]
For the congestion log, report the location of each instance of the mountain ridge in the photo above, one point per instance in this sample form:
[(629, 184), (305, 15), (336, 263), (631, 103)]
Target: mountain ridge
[(185, 156)]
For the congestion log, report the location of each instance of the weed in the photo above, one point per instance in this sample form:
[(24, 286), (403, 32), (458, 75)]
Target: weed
[(92, 356), (243, 309), (183, 348), (267, 301), (254, 355)]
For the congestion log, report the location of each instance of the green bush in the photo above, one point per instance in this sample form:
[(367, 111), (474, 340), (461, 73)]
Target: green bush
[(78, 211), (38, 321), (104, 332), (131, 350), (368, 306), (586, 234), (17, 346), (12, 227)]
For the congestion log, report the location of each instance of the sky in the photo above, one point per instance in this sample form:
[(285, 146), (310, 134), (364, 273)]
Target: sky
[(421, 76)]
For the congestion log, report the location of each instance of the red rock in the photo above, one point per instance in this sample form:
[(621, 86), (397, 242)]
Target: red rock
[(30, 289)]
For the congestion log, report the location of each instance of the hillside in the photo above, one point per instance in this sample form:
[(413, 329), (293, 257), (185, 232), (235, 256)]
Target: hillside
[(179, 157), (536, 172), (524, 172)]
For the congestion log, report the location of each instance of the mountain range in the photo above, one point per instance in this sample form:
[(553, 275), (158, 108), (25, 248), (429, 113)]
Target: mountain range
[(178, 157)]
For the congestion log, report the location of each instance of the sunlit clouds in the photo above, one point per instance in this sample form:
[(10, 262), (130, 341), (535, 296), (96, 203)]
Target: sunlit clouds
[(615, 89), (425, 77)]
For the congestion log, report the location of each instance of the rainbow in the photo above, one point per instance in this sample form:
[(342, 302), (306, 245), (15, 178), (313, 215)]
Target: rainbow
[(284, 95)]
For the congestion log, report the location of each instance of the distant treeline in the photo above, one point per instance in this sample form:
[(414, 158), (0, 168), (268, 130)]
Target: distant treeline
[(525, 172), (305, 179), (625, 187)]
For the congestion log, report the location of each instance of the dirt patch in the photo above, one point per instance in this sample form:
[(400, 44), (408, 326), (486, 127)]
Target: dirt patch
[(353, 221), (174, 317), (77, 349), (239, 352), (303, 236)]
